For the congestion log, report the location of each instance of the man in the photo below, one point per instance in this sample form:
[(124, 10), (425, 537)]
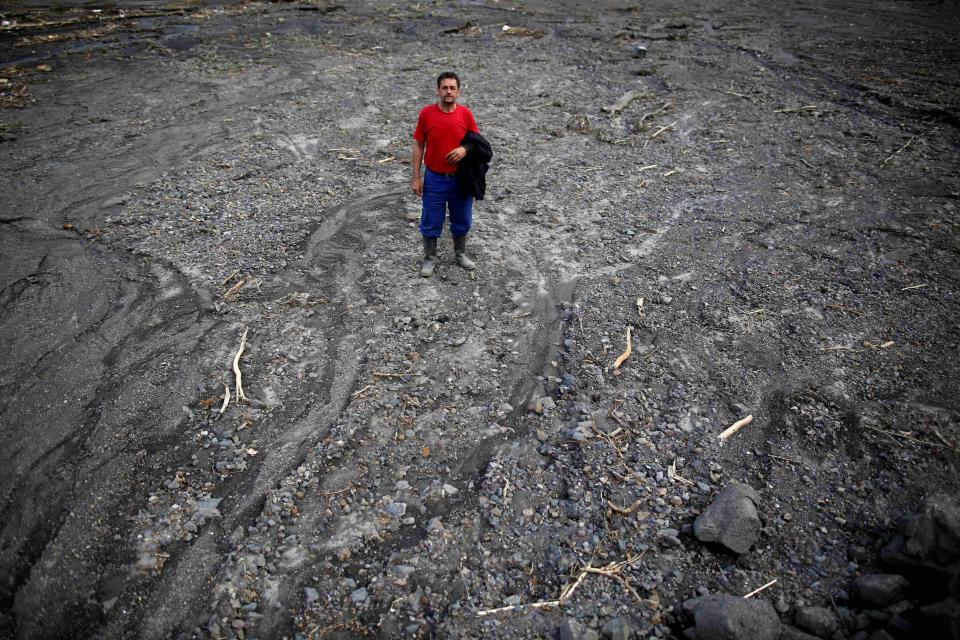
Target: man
[(437, 142)]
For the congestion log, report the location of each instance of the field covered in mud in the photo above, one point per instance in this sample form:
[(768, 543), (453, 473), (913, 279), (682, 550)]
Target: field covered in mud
[(765, 197)]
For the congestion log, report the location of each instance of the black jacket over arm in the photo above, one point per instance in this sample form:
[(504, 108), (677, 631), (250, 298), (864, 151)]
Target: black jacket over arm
[(472, 170)]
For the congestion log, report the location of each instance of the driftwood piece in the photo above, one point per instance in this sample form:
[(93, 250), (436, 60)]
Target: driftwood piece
[(626, 354), (736, 426), (241, 396)]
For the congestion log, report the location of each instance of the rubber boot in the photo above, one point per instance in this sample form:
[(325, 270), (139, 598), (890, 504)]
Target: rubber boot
[(460, 251), (429, 253)]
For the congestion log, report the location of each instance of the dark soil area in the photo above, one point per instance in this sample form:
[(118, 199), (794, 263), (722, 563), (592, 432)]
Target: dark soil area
[(765, 195)]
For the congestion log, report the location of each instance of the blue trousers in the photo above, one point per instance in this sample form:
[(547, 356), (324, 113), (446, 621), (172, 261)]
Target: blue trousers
[(439, 192)]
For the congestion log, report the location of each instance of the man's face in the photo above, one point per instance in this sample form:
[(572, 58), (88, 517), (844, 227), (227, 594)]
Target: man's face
[(448, 91)]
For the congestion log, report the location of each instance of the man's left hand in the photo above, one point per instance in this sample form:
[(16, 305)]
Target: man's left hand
[(456, 155)]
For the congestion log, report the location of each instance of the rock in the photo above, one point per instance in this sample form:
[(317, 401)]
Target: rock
[(396, 509), (878, 590), (819, 621), (792, 633), (573, 630), (933, 536), (311, 595), (669, 538), (726, 617), (450, 490), (208, 507), (359, 596), (731, 519), (616, 629), (513, 601)]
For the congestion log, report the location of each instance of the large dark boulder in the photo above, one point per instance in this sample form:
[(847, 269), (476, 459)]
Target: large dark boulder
[(878, 590)]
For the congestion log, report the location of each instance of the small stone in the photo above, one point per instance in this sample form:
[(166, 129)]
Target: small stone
[(450, 490), (513, 601), (573, 630), (396, 509), (359, 596), (617, 629), (669, 538), (311, 595)]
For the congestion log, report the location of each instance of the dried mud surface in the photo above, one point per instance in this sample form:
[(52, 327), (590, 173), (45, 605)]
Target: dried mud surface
[(781, 192)]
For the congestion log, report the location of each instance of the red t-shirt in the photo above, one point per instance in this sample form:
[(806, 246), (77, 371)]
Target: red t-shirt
[(442, 132)]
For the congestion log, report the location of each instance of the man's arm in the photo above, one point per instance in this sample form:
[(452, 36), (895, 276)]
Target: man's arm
[(416, 183)]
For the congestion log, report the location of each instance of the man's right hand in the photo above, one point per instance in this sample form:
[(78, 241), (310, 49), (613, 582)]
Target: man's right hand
[(416, 185)]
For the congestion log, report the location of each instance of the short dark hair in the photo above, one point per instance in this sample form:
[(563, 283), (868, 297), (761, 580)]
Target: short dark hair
[(445, 75)]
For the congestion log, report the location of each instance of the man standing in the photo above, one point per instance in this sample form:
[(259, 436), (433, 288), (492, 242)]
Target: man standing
[(441, 128)]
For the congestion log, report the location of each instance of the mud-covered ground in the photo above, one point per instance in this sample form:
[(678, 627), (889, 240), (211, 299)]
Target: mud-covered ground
[(772, 212)]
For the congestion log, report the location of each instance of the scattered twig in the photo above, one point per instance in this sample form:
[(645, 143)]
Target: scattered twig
[(648, 167), (944, 441), (790, 460), (840, 307), (673, 475), (625, 510), (739, 95), (914, 286), (230, 277), (232, 291), (381, 374), (241, 396), (736, 426), (891, 156), (626, 354), (837, 348), (906, 437), (665, 128), (670, 173), (809, 107), (665, 106), (362, 390), (759, 589)]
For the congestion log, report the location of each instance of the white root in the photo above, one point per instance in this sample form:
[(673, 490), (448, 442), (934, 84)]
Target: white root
[(241, 396)]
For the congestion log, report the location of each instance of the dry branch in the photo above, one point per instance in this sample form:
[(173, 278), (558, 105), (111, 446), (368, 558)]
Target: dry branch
[(759, 589)]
